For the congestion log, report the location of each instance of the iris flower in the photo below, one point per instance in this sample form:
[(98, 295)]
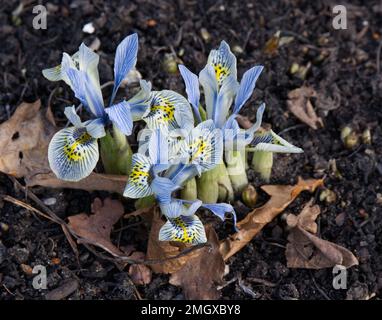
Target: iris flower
[(159, 171), (73, 152)]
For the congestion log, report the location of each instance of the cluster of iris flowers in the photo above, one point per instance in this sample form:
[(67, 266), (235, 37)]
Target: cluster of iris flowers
[(189, 156)]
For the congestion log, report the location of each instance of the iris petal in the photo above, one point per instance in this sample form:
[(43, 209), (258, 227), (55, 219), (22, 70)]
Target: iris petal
[(73, 117), (120, 115), (192, 89), (247, 85), (168, 110), (138, 185), (186, 229), (271, 142), (220, 209), (125, 60), (72, 154), (141, 101)]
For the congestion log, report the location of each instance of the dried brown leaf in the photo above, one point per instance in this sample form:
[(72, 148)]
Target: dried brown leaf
[(24, 140), (157, 250), (300, 105), (95, 181), (201, 274), (139, 273), (96, 228), (281, 197), (306, 250), (306, 219)]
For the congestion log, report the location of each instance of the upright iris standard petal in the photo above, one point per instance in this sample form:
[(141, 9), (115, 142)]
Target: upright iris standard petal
[(72, 154), (220, 209), (120, 115), (168, 110), (186, 229), (140, 177), (125, 60), (247, 85), (78, 86), (204, 146), (141, 101), (192, 89), (271, 142), (88, 62), (224, 100), (210, 86), (93, 96)]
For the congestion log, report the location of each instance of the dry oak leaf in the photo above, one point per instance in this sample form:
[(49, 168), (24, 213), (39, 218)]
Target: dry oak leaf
[(159, 250), (281, 197), (201, 274), (306, 250), (95, 229), (140, 274), (300, 105), (24, 141)]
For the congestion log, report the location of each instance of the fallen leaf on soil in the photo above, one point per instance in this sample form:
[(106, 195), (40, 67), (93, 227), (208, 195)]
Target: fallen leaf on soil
[(281, 197), (201, 274), (95, 181), (299, 104), (164, 249), (306, 219), (24, 140), (96, 228), (139, 273), (306, 250)]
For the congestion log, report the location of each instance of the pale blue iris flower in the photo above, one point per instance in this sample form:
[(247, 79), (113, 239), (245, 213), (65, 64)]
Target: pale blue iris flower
[(160, 171), (73, 152), (223, 93)]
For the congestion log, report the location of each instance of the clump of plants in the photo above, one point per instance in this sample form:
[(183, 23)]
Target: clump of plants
[(189, 155)]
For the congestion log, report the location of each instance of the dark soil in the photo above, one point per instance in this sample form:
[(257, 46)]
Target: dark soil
[(344, 72)]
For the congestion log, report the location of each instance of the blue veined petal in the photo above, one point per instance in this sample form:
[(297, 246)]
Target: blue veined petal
[(125, 60), (183, 173), (58, 72), (204, 146), (186, 229), (96, 128), (224, 62), (192, 89), (220, 209), (168, 110), (158, 147), (247, 85), (120, 115), (172, 209), (93, 96), (271, 142), (77, 86), (138, 184), (68, 62), (72, 154), (141, 101), (162, 188), (73, 117), (210, 87), (191, 206), (249, 133), (224, 100)]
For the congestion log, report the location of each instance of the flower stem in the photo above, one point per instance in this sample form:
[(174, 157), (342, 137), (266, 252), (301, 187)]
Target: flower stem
[(115, 152), (262, 162), (190, 190), (207, 184), (236, 170)]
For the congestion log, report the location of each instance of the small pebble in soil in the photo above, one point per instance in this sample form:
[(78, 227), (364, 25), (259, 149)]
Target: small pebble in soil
[(50, 201)]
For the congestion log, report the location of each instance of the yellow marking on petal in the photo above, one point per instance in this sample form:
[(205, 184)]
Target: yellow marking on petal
[(185, 236), (72, 149), (221, 72), (200, 147), (165, 109)]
